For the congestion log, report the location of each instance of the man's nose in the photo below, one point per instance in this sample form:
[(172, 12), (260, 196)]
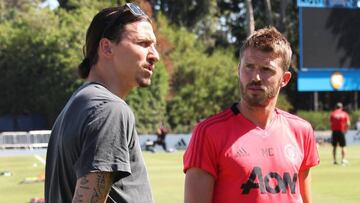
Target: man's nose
[(154, 53), (256, 75)]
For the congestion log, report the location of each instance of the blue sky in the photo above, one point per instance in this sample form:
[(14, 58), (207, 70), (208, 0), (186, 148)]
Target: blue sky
[(51, 3)]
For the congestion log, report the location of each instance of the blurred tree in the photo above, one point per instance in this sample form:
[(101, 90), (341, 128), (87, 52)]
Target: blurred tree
[(233, 24), (208, 85), (282, 20), (283, 103), (19, 4), (37, 61), (183, 13), (8, 8), (249, 17), (99, 4), (207, 26), (202, 84), (149, 104), (268, 11), (77, 4)]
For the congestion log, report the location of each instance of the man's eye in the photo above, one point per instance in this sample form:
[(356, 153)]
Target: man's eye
[(249, 67), (266, 69), (144, 43)]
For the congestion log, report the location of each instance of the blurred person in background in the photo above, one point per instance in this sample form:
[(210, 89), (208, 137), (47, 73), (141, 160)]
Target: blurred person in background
[(94, 153), (161, 133), (253, 151), (340, 123)]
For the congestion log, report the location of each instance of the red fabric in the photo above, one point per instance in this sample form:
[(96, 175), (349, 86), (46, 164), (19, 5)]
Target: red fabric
[(251, 164), (339, 120)]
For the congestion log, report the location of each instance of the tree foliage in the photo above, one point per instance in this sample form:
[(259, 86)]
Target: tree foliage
[(202, 84), (183, 13), (78, 4), (40, 50), (36, 62), (149, 104), (39, 59), (39, 53)]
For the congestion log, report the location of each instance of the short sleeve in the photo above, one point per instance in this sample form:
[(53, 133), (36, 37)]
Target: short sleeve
[(201, 152), (311, 156), (105, 140)]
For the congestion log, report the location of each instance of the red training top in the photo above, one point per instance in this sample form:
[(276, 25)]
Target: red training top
[(339, 120), (250, 164)]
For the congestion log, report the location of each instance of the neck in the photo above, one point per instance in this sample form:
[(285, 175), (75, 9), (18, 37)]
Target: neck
[(114, 85), (261, 116)]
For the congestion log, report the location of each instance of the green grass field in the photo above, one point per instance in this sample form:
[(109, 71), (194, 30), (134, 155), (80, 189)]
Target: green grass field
[(331, 183)]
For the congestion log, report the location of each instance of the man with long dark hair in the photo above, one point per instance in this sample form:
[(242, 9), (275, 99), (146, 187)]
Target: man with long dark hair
[(94, 153)]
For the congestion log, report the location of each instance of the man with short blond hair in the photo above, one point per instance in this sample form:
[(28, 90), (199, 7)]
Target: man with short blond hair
[(253, 152)]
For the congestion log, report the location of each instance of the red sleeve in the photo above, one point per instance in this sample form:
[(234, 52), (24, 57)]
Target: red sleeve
[(201, 152), (311, 156)]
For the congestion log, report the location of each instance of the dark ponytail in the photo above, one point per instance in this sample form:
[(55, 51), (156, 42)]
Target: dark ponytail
[(84, 68)]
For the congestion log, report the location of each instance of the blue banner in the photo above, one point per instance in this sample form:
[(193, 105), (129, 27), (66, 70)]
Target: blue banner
[(329, 3)]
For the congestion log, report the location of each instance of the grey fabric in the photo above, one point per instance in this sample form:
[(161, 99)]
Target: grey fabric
[(95, 132)]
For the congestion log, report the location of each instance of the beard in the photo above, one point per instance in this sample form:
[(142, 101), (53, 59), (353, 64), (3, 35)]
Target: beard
[(144, 82), (143, 79), (262, 98)]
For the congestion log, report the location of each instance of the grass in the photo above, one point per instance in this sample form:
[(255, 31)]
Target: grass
[(166, 176), (21, 167), (336, 183), (330, 183)]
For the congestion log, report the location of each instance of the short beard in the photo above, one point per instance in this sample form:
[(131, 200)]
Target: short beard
[(143, 83), (259, 101)]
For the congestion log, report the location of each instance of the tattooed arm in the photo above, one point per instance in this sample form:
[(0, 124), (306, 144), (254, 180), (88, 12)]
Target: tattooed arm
[(93, 187)]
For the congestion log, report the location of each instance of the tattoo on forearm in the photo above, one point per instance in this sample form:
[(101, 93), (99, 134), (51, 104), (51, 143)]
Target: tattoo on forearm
[(101, 187), (93, 187), (84, 183), (78, 197)]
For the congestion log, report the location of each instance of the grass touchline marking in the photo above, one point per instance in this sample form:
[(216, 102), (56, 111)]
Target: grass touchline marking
[(40, 159)]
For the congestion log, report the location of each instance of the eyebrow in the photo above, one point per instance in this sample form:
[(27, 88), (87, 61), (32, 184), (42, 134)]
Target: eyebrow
[(145, 38), (249, 64)]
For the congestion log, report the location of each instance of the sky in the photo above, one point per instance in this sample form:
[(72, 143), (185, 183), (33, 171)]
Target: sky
[(51, 3)]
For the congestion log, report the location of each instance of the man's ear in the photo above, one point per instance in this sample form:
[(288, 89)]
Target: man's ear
[(105, 47), (285, 78)]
